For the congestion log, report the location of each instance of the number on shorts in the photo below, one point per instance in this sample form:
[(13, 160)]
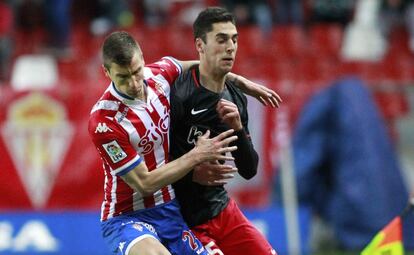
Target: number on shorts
[(187, 235), (215, 251)]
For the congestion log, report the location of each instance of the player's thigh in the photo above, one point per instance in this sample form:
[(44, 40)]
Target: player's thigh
[(240, 236), (247, 240), (203, 234), (123, 233), (148, 246)]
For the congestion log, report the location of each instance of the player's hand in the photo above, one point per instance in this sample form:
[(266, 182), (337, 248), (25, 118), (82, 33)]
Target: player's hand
[(211, 149), (229, 114), (213, 173), (263, 94)]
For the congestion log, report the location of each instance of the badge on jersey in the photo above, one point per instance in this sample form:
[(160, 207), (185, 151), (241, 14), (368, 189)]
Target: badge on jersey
[(114, 151)]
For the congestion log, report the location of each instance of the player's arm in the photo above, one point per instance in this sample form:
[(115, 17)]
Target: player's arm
[(147, 182), (187, 64), (263, 94), (245, 157)]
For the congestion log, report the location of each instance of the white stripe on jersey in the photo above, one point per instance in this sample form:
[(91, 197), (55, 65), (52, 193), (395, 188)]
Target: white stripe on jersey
[(148, 73), (106, 105), (138, 202), (104, 202), (132, 132), (158, 199), (171, 191), (113, 197)]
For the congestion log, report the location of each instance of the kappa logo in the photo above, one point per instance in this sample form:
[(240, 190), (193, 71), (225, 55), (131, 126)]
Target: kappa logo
[(102, 128), (194, 112)]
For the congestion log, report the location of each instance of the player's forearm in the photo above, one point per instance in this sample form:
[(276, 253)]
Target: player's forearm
[(151, 181), (238, 80), (246, 158)]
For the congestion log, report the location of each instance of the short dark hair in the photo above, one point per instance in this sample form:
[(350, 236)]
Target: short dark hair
[(205, 20), (119, 48)]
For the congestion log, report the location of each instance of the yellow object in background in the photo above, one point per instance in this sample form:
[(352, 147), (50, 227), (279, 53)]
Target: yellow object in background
[(388, 241)]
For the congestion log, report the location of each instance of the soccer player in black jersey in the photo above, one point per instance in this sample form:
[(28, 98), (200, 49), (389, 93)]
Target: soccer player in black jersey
[(205, 100)]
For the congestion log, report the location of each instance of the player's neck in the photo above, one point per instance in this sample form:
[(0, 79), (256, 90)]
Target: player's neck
[(211, 80), (143, 94)]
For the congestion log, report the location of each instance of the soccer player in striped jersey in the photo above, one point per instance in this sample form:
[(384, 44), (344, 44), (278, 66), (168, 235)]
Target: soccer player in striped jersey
[(129, 126), (203, 99)]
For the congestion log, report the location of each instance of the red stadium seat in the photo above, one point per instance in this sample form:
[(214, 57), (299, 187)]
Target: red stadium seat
[(289, 41), (325, 39)]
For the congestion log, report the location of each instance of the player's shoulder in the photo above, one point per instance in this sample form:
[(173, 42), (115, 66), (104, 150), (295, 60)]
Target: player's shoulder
[(185, 85), (234, 90), (187, 77), (103, 115), (165, 64)]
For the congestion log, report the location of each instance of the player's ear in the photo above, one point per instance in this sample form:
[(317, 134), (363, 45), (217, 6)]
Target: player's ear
[(106, 71), (199, 45)]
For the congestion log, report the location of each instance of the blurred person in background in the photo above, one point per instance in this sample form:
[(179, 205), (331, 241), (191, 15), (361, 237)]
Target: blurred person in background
[(346, 168), (289, 12), (54, 16), (202, 99), (58, 25), (6, 41), (251, 11), (129, 127), (110, 14), (331, 11), (156, 11), (394, 13)]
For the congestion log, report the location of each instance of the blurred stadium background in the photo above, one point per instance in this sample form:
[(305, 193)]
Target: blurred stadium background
[(316, 54)]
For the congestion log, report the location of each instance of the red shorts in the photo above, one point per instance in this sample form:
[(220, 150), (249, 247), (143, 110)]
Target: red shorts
[(230, 233)]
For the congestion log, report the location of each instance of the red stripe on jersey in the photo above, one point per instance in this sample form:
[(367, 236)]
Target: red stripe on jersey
[(124, 202), (149, 201), (166, 194), (193, 71)]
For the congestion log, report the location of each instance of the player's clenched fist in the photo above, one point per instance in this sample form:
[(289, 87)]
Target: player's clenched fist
[(229, 114)]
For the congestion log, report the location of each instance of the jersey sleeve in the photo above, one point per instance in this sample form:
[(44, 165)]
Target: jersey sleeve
[(112, 143), (168, 67), (246, 157)]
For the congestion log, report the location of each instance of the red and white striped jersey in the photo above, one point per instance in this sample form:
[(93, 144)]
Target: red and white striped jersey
[(126, 131)]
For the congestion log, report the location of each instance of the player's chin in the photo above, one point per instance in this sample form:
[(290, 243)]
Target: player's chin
[(227, 68)]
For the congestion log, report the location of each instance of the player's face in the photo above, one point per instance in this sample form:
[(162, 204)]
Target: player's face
[(129, 79), (221, 46)]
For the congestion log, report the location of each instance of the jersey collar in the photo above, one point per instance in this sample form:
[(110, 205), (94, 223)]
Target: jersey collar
[(125, 98)]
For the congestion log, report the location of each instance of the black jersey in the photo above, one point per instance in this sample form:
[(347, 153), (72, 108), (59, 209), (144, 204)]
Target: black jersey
[(193, 111)]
